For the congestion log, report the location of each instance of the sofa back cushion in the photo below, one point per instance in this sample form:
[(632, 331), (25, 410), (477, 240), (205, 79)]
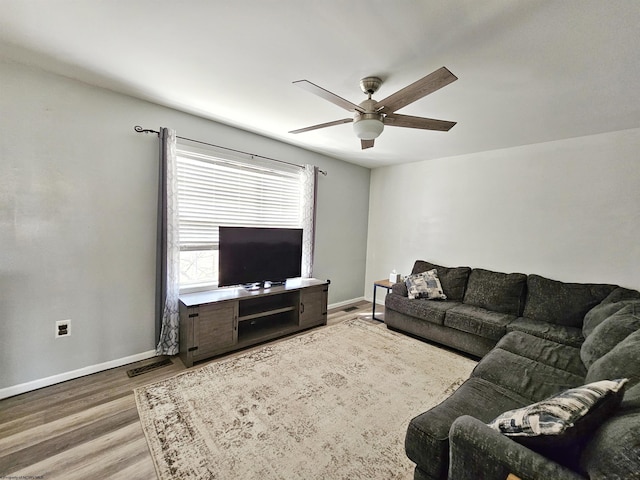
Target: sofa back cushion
[(452, 279), (610, 333), (615, 301), (621, 293), (622, 361), (499, 292), (562, 303)]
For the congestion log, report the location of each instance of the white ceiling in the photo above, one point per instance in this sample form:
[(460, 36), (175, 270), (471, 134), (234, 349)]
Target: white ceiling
[(529, 71)]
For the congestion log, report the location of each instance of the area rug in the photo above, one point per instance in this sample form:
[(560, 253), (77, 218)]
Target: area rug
[(330, 404)]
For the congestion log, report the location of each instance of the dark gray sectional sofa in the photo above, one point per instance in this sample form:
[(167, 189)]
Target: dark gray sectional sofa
[(537, 337)]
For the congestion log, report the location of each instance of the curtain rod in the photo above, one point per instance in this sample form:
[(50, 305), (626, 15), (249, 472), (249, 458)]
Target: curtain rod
[(139, 129)]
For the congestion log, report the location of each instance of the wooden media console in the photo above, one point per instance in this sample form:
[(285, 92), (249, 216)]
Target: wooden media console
[(219, 321)]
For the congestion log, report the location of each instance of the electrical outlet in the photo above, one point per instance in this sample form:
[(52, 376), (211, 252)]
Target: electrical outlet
[(63, 328)]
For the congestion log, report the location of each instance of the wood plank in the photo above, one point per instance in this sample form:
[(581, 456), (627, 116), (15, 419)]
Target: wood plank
[(67, 440), (33, 436), (103, 457)]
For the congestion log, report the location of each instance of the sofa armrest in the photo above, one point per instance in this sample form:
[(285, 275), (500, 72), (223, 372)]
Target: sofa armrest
[(400, 288), (477, 451)]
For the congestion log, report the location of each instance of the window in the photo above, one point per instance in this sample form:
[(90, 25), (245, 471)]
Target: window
[(214, 190)]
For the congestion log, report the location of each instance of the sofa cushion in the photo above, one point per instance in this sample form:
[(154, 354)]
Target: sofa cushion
[(621, 294), (623, 361), (562, 303), (530, 377), (599, 314), (478, 321), (553, 354), (452, 279), (605, 309), (610, 333), (496, 291), (420, 308), (425, 285), (613, 451), (557, 333), (427, 440), (631, 399)]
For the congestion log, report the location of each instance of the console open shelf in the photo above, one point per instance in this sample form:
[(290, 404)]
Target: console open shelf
[(266, 313), (227, 319), (266, 328), (268, 304)]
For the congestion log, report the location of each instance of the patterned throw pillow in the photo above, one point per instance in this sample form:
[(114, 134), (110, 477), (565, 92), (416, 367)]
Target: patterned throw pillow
[(557, 414), (425, 285)]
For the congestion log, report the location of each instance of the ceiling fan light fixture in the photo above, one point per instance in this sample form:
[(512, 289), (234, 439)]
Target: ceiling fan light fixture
[(368, 126), (371, 115)]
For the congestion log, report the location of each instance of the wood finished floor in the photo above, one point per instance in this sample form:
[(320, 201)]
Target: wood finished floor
[(88, 428)]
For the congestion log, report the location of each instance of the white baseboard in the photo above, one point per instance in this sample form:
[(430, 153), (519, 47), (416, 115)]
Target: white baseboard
[(346, 302), (81, 372)]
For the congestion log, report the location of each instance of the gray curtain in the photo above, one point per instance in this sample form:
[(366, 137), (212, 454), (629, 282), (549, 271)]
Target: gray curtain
[(309, 200), (168, 249)]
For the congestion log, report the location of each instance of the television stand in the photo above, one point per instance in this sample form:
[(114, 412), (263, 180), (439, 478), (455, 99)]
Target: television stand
[(227, 319)]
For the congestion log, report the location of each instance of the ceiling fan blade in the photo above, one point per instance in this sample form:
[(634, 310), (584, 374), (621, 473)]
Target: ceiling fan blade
[(366, 143), (327, 95), (396, 120), (426, 85), (322, 125)]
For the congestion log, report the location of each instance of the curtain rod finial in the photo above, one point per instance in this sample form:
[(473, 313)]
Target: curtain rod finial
[(139, 129)]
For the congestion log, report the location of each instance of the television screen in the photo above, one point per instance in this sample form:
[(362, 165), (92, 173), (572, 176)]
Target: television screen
[(250, 254)]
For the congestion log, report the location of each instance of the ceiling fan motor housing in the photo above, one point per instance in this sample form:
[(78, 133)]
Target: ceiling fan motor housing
[(370, 85)]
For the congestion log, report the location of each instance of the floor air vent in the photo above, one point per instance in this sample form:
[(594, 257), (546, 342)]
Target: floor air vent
[(350, 309), (134, 372)]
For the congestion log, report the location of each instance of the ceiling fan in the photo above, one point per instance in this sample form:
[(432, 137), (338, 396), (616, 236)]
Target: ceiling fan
[(371, 116)]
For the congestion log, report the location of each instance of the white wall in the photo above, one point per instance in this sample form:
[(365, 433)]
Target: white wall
[(78, 191), (568, 210)]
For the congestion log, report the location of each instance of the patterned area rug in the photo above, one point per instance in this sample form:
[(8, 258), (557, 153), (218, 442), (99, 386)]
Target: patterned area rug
[(330, 404)]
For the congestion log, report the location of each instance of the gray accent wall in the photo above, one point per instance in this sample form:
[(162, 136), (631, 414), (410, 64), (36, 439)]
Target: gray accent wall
[(568, 210), (78, 192)]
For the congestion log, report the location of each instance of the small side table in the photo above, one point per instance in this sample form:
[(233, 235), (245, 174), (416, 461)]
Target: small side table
[(379, 283)]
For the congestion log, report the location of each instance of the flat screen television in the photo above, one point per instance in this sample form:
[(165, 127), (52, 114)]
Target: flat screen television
[(251, 255)]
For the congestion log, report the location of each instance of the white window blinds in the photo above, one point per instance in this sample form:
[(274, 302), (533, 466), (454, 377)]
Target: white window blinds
[(214, 191)]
